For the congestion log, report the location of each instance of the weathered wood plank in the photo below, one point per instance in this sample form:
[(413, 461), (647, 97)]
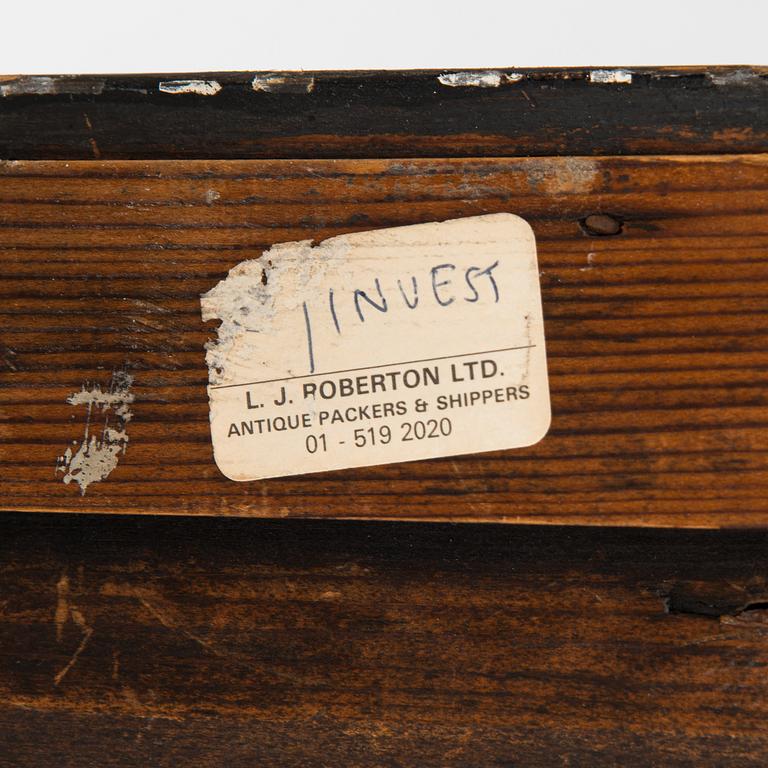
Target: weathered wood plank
[(656, 336), (204, 642), (386, 114)]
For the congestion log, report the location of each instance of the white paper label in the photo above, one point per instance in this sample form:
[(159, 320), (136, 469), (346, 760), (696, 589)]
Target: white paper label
[(385, 346)]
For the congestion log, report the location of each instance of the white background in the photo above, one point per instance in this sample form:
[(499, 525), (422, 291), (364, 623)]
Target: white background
[(72, 36)]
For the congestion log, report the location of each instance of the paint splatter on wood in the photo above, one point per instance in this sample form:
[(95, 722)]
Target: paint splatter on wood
[(44, 85), (487, 79), (610, 76), (97, 455), (283, 83), (199, 87), (738, 78)]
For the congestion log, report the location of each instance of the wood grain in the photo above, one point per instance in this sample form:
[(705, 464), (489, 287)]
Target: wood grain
[(656, 335), (385, 114), (208, 642)]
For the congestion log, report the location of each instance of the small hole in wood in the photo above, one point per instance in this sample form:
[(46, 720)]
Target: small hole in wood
[(601, 225)]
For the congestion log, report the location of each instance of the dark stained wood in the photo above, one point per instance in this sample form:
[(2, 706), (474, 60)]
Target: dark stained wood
[(657, 336), (202, 641), (207, 642), (385, 114)]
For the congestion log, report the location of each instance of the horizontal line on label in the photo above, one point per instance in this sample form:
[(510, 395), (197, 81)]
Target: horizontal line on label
[(373, 367)]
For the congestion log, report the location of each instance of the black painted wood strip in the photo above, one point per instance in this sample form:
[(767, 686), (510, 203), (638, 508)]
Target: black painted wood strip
[(385, 114)]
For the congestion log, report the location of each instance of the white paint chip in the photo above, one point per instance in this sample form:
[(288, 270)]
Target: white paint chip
[(283, 83), (199, 87), (98, 454), (738, 78), (611, 76), (41, 85), (487, 79), (590, 263)]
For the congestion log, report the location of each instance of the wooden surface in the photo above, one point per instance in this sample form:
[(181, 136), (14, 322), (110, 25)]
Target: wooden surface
[(134, 641), (386, 114), (210, 642), (656, 335)]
